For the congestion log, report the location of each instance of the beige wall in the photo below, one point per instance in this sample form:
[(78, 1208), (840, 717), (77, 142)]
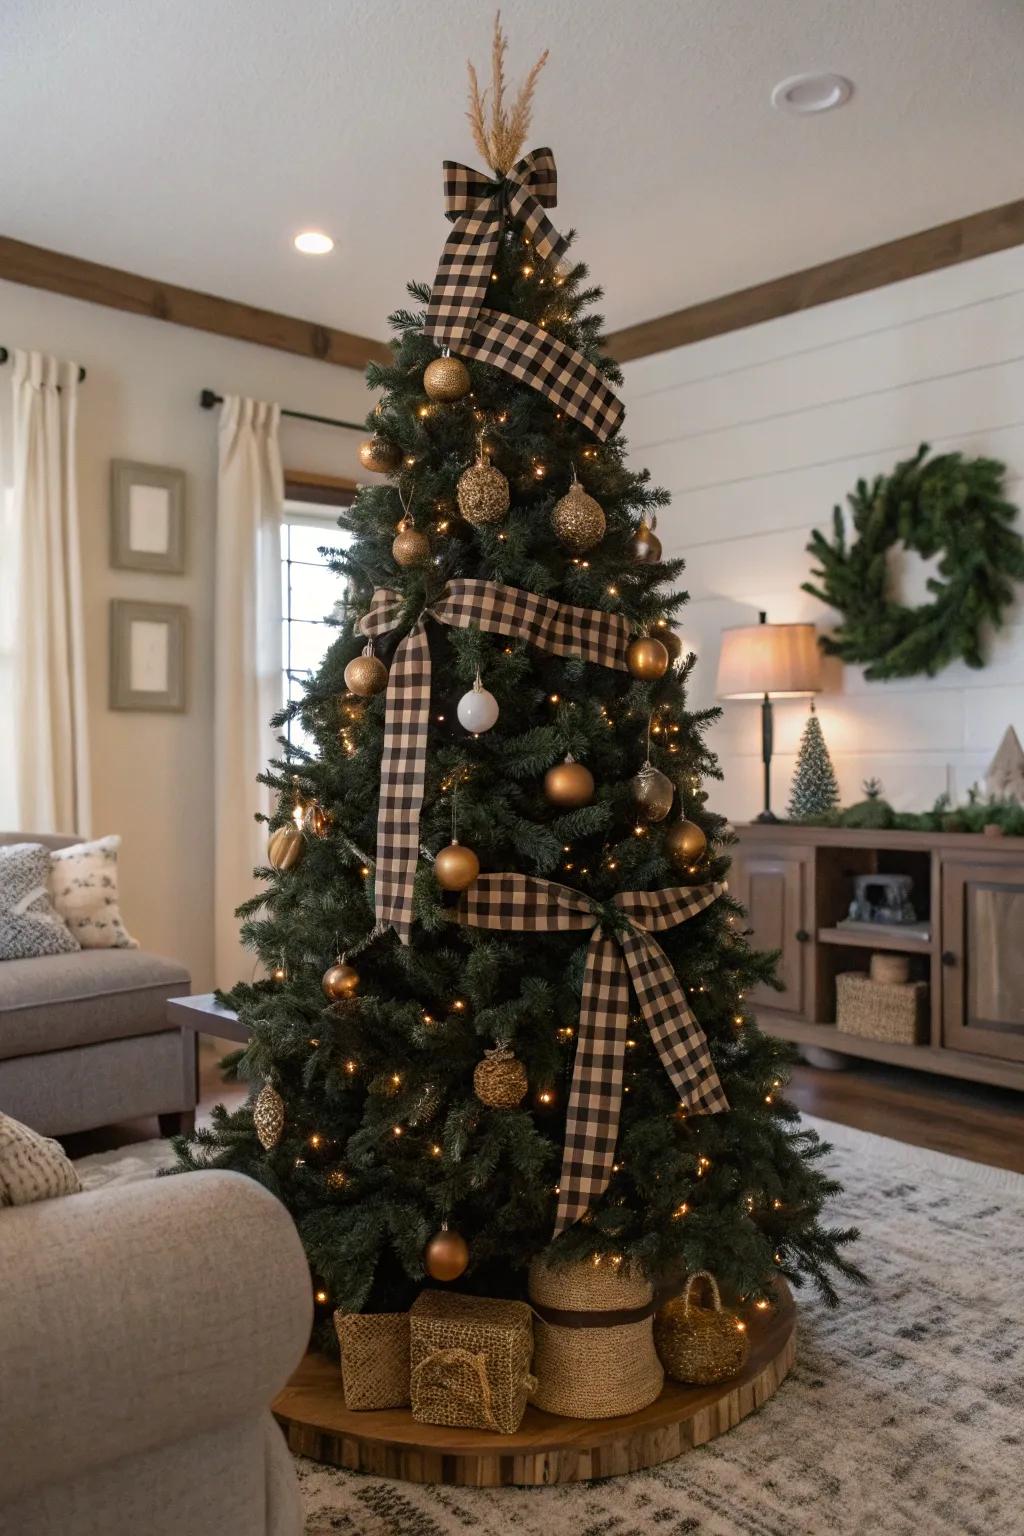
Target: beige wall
[(151, 773)]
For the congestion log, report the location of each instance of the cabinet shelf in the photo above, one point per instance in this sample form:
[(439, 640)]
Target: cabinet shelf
[(907, 944)]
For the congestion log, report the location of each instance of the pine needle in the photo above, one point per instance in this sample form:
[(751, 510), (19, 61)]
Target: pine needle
[(502, 137)]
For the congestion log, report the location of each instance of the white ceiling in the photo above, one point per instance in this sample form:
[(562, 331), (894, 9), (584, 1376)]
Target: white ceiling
[(190, 139)]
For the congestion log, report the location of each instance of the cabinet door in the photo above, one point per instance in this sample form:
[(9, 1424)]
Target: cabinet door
[(983, 958), (774, 886)]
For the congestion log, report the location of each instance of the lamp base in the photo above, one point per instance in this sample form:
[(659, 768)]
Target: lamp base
[(768, 816)]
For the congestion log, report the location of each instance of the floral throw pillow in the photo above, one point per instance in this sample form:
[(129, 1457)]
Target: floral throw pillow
[(84, 884), (29, 925)]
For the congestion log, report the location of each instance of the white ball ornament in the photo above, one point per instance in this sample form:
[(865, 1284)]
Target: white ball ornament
[(477, 710)]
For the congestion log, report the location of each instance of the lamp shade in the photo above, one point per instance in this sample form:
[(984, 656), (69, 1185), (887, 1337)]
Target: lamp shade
[(778, 659)]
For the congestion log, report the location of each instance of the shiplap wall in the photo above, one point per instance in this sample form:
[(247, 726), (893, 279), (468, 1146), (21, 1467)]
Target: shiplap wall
[(757, 434)]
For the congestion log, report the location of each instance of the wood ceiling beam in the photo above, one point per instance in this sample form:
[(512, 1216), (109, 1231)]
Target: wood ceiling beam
[(37, 267), (980, 234)]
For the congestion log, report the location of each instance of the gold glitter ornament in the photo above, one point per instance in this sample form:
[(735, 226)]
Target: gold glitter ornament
[(379, 455), (500, 1080), (578, 520), (645, 546), (483, 494), (652, 791), (700, 1344), (268, 1116), (365, 675), (446, 379), (410, 547)]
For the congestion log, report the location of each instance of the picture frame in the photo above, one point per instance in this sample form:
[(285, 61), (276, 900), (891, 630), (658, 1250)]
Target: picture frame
[(147, 518), (147, 655)]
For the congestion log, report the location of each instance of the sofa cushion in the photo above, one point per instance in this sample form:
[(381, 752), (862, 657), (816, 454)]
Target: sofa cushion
[(32, 1167), (83, 880), (29, 925), (95, 994)]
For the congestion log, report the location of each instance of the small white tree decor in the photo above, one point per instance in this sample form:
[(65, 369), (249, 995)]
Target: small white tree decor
[(1005, 777), (815, 788)]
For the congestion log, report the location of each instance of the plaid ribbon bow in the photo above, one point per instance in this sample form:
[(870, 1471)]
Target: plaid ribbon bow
[(630, 955), (560, 629), (455, 316)]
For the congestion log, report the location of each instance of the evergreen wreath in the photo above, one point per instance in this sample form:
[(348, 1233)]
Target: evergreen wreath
[(947, 506)]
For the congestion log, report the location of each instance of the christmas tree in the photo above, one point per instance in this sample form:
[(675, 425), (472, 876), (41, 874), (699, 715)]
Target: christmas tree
[(815, 788), (443, 1082)]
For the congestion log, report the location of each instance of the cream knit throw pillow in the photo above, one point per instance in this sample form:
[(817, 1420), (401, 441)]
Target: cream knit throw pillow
[(32, 1167), (84, 883)]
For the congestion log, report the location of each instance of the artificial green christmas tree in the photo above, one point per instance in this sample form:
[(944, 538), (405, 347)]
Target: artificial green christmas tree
[(815, 789), (596, 957)]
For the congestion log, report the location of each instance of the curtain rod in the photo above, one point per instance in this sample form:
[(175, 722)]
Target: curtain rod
[(5, 355), (208, 399)]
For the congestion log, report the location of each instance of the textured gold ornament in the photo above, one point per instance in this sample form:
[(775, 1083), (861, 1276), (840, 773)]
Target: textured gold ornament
[(700, 1344), (286, 846), (646, 659), (500, 1080), (268, 1116), (669, 639), (569, 784), (446, 379), (340, 981), (685, 843), (410, 547), (645, 546), (456, 867), (653, 792), (446, 1255), (379, 455), (578, 520), (483, 494), (366, 675)]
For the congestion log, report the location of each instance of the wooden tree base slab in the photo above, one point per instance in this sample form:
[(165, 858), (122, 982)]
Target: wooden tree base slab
[(545, 1448)]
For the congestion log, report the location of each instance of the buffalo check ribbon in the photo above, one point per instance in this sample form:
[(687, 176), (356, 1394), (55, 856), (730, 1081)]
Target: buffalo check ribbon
[(560, 629), (621, 954), (456, 316)]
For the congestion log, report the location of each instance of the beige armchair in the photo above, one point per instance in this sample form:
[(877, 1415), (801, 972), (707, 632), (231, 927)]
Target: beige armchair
[(144, 1331)]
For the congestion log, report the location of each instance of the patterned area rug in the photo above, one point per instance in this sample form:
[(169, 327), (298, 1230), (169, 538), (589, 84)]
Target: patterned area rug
[(904, 1414)]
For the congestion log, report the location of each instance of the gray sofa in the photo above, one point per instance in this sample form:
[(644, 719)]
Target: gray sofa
[(84, 1039)]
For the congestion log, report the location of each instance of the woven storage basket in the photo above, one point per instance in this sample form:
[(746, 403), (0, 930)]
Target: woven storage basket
[(470, 1358), (599, 1367), (700, 1344), (879, 1010), (374, 1358)]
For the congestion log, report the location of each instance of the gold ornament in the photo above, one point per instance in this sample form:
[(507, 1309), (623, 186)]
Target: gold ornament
[(645, 546), (652, 791), (286, 846), (500, 1081), (647, 659), (316, 820), (578, 520), (446, 1255), (483, 494), (366, 675), (569, 785), (456, 867), (669, 639), (700, 1344), (446, 379), (410, 546), (685, 844), (268, 1116), (379, 455), (340, 981)]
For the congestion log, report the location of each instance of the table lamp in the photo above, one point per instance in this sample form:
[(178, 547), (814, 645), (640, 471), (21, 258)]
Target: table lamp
[(765, 661)]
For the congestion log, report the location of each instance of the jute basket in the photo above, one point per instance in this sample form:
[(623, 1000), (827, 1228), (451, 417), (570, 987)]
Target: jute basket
[(700, 1344), (374, 1358), (594, 1355), (470, 1358), (881, 1010)]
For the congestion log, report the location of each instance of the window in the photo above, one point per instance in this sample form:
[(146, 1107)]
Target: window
[(311, 594)]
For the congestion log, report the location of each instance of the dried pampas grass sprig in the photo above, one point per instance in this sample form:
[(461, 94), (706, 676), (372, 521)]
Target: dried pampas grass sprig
[(501, 139)]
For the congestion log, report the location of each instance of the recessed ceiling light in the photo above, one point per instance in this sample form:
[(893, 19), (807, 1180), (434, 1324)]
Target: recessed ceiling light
[(812, 93), (313, 242)]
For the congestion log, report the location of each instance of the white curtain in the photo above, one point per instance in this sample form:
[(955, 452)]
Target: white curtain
[(247, 663), (51, 756)]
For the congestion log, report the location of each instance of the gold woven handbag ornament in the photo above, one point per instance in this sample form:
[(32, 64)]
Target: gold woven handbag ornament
[(700, 1344)]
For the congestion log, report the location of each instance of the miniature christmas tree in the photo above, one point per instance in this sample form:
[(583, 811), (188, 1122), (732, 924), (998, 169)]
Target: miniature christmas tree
[(815, 788), (1005, 777), (510, 723)]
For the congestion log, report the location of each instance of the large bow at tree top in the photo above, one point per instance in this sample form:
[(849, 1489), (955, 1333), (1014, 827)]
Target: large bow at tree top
[(622, 952), (560, 629), (456, 318)]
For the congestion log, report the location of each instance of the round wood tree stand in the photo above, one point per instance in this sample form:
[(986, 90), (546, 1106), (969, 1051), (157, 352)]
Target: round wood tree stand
[(545, 1449)]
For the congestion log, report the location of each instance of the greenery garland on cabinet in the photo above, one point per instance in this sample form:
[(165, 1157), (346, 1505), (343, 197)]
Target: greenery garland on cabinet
[(947, 506)]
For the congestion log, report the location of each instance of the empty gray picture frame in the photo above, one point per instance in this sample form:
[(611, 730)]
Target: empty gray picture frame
[(124, 476), (168, 660)]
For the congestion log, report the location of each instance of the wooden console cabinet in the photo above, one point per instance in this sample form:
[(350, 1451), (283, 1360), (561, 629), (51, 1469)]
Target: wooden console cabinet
[(796, 884)]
